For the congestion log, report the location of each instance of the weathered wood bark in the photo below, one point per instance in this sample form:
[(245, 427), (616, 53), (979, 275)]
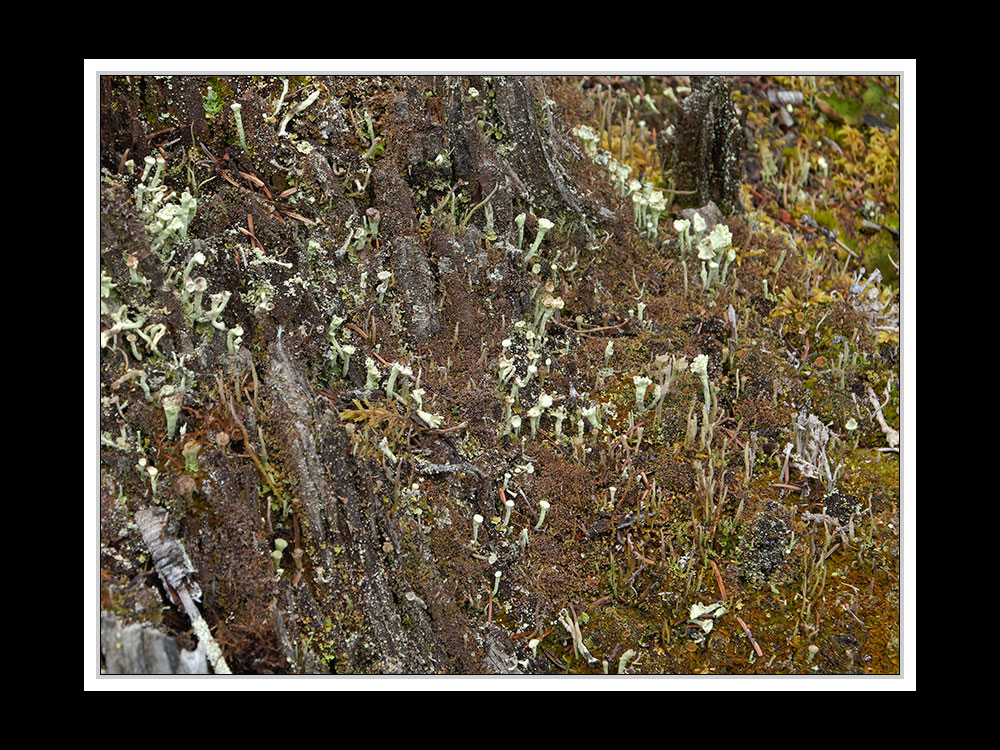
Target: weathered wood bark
[(705, 154), (135, 649), (368, 594)]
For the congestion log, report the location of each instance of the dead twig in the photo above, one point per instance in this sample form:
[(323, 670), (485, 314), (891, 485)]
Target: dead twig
[(585, 331), (718, 579), (357, 330), (750, 636)]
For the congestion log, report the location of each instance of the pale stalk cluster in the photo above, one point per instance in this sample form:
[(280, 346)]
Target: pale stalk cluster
[(648, 203), (716, 253)]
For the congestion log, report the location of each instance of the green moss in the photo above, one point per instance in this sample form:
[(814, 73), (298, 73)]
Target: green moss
[(828, 219), (877, 254), (212, 101)]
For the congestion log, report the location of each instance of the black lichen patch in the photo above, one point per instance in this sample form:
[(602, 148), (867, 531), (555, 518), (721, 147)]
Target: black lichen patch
[(842, 506), (763, 553)]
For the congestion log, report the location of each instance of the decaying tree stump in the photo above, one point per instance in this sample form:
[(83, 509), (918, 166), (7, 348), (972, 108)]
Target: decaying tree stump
[(705, 155), (375, 592)]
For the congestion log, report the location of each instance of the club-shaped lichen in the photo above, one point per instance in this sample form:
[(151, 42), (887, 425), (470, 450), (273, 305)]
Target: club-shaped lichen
[(543, 506)]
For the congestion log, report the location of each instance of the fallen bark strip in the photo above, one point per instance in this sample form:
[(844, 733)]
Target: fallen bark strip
[(176, 572)]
